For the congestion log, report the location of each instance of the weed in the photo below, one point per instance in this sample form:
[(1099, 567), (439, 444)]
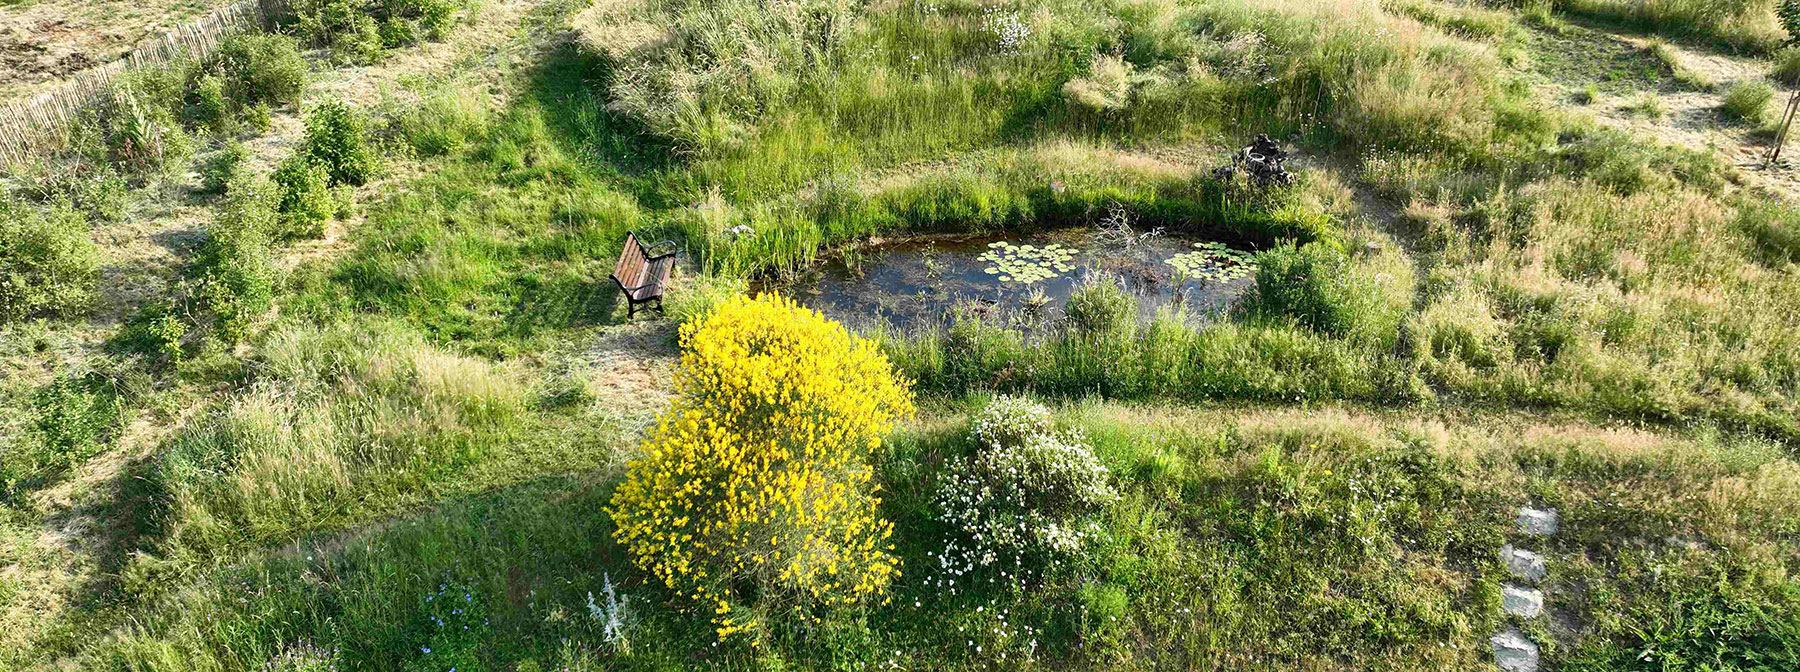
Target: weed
[(49, 264), (1748, 102), (337, 140), (223, 167), (1787, 66), (303, 201)]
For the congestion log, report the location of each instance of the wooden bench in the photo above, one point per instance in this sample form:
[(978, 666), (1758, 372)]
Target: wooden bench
[(641, 275)]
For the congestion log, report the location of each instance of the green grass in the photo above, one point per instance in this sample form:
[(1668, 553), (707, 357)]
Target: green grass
[(1282, 539), (1736, 25), (1560, 315)]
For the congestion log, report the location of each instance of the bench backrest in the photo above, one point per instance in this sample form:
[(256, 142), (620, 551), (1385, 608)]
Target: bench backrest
[(631, 262)]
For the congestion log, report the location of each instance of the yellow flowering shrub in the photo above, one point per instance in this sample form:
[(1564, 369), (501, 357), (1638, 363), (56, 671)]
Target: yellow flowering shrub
[(754, 491)]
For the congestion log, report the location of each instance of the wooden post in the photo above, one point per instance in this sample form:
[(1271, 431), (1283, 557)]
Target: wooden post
[(1787, 122)]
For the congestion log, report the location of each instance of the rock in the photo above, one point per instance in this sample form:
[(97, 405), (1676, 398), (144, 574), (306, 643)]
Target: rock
[(1521, 601), (1537, 522), (1371, 247), (1513, 652), (1522, 564)]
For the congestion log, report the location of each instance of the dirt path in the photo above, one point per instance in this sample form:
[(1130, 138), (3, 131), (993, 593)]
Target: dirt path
[(1622, 72)]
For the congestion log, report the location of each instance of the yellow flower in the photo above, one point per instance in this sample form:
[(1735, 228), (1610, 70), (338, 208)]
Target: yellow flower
[(777, 412)]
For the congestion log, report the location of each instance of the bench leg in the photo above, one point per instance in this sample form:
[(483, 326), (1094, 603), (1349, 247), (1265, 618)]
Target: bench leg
[(630, 309)]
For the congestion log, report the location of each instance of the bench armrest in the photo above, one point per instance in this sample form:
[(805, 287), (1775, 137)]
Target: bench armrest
[(646, 249)]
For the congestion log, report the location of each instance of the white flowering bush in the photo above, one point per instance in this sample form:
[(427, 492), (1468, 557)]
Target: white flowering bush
[(1023, 502), (1008, 30), (1009, 421)]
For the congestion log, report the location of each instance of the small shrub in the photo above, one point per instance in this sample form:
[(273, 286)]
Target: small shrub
[(262, 69), (236, 264), (1648, 105), (209, 107), (49, 264), (76, 418), (1024, 501), (1107, 87), (1100, 307), (223, 167), (1787, 66), (363, 29), (156, 331), (337, 141), (1319, 287), (303, 199), (1585, 95), (397, 33), (99, 192), (754, 492), (1009, 421), (1748, 101), (132, 128), (343, 25)]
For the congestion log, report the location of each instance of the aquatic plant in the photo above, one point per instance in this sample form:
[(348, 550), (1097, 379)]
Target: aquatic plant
[(1027, 264), (1214, 261)]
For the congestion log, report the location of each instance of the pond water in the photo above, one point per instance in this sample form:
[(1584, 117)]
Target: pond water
[(917, 281)]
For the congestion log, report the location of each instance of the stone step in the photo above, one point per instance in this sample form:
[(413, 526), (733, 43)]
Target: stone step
[(1521, 601), (1537, 522), (1522, 564), (1514, 652)]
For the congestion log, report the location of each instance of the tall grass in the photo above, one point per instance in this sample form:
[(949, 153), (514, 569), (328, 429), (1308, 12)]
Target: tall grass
[(345, 422), (1741, 25)]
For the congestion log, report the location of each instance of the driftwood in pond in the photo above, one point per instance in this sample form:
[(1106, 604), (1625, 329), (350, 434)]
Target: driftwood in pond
[(1263, 162)]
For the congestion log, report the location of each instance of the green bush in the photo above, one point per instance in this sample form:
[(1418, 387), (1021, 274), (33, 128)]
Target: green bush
[(1319, 287), (1023, 502), (134, 125), (210, 107), (156, 331), (236, 265), (304, 200), (100, 192), (76, 417), (1748, 101), (363, 29), (48, 262), (341, 25), (222, 168), (1787, 66), (262, 69), (1100, 307), (337, 140)]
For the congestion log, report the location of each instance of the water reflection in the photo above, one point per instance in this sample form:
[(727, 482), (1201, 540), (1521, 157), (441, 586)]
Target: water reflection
[(918, 281)]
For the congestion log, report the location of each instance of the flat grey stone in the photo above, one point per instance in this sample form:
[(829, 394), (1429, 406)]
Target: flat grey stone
[(1537, 522), (1513, 652), (1522, 564), (1520, 601)]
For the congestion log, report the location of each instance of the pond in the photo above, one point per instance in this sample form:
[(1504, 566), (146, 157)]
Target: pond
[(918, 281)]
